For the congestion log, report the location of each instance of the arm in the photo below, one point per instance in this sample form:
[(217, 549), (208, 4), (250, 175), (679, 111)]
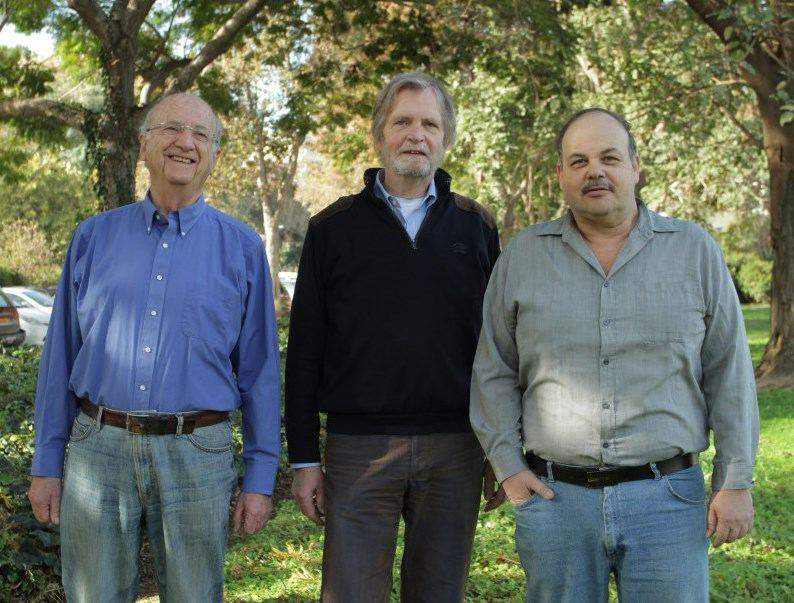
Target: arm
[(305, 354), (729, 391), (56, 405), (255, 361)]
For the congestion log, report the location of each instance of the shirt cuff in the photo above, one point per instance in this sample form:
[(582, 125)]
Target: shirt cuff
[(259, 478), (295, 466), (731, 476), (507, 463), (48, 461)]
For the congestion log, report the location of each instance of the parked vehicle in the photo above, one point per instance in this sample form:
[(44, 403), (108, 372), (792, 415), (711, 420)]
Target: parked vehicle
[(10, 331), (35, 308)]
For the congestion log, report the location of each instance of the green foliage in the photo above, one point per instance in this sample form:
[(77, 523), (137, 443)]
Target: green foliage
[(29, 563), (10, 278)]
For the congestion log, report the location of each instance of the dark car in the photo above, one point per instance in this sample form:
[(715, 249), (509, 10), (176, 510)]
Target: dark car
[(10, 331)]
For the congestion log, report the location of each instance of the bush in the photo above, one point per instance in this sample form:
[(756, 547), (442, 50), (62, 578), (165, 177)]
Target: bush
[(10, 278), (26, 252), (754, 277), (29, 562)]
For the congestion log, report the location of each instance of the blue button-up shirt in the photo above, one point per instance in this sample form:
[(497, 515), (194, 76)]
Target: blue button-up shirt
[(414, 220), (163, 314)]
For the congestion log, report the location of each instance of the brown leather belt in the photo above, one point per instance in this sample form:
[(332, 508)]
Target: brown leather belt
[(153, 424), (597, 477)]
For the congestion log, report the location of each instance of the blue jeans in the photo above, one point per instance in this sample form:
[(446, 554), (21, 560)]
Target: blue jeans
[(650, 533), (176, 487)]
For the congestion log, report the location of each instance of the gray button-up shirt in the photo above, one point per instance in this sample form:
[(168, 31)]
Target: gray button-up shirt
[(625, 369)]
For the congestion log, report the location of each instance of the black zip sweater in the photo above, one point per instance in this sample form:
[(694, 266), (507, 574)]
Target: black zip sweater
[(383, 331)]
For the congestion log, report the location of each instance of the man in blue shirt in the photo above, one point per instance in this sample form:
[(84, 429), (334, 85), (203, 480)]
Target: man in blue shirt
[(163, 323)]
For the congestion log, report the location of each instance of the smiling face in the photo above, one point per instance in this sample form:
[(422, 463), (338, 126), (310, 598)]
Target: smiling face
[(413, 135), (597, 173), (178, 162)]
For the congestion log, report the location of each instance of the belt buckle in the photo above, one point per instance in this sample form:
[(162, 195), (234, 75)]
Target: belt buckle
[(600, 478), (136, 426)]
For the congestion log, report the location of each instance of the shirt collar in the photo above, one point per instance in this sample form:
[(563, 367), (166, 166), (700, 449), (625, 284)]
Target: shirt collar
[(647, 222), (381, 192), (186, 216)]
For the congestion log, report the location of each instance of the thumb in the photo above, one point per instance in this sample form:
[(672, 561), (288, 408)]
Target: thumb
[(712, 522), (237, 520), (319, 499), (55, 507)]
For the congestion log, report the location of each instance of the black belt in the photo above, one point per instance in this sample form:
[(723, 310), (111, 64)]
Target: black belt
[(598, 477), (153, 424)]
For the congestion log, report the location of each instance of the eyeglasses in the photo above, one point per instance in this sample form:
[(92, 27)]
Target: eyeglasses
[(172, 129)]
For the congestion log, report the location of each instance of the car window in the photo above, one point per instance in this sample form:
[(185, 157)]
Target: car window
[(18, 301), (39, 297), (4, 301)]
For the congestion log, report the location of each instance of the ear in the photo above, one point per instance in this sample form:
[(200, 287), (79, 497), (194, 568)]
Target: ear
[(141, 146), (635, 166), (559, 172)]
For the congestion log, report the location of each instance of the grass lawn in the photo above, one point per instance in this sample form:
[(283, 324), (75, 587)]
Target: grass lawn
[(283, 562)]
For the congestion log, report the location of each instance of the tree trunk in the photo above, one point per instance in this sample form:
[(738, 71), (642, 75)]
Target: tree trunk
[(273, 240), (777, 366)]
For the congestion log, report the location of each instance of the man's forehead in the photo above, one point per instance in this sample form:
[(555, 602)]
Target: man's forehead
[(595, 132), (425, 99), (185, 109)]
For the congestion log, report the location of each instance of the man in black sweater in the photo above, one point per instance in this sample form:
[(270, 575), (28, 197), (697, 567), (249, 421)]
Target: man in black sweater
[(384, 326)]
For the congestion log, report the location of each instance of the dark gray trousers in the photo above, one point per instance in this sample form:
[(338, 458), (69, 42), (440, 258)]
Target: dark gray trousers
[(433, 481)]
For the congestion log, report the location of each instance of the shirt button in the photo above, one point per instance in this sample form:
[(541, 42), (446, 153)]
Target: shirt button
[(605, 445), (605, 405), (165, 245), (153, 312), (142, 388), (147, 349), (605, 361), (606, 284), (606, 322), (159, 277)]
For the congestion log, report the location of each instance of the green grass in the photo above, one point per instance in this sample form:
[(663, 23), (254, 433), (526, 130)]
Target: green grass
[(282, 563)]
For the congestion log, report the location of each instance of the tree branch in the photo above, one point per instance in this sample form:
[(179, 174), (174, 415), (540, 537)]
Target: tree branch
[(221, 42), (751, 138), (64, 114), (95, 19), (764, 78), (138, 10)]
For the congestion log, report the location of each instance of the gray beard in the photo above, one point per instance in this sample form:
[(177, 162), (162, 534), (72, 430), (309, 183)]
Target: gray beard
[(409, 169)]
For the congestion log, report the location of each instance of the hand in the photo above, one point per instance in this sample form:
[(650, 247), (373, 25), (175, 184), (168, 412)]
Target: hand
[(252, 512), (309, 492), (523, 485), (45, 498), (489, 484), (730, 516)]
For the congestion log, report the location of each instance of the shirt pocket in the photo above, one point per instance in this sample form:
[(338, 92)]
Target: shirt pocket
[(669, 311), (212, 314)]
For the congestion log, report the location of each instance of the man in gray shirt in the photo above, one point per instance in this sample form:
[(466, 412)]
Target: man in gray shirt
[(612, 343)]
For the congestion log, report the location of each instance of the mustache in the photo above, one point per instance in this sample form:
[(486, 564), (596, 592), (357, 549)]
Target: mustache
[(597, 184)]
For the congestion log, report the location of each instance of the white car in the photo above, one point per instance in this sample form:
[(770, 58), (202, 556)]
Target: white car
[(34, 307)]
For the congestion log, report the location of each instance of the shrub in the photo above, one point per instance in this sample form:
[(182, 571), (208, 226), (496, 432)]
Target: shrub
[(29, 562), (26, 252)]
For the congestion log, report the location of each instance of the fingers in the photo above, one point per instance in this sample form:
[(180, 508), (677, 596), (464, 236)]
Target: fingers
[(309, 509), (45, 499), (536, 485), (252, 512)]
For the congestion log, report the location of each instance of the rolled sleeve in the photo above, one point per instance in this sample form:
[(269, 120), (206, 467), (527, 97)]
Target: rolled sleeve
[(255, 361)]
